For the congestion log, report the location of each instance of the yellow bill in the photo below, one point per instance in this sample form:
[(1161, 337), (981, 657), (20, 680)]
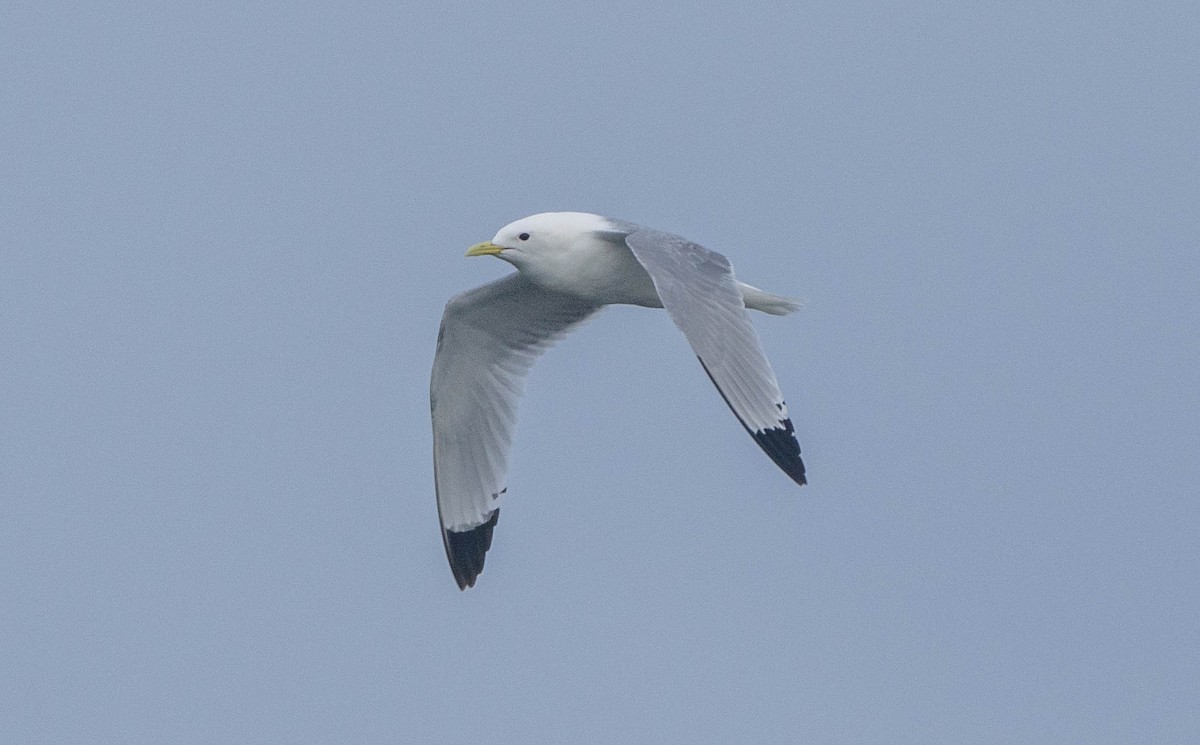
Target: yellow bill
[(487, 248)]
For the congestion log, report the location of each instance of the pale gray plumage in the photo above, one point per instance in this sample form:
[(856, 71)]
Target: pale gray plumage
[(570, 265), (489, 338)]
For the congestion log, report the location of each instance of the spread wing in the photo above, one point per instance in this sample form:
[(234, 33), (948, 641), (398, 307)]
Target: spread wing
[(698, 290), (489, 338)]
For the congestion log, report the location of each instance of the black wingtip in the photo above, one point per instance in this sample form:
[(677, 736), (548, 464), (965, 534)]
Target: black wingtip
[(780, 443), (467, 549)]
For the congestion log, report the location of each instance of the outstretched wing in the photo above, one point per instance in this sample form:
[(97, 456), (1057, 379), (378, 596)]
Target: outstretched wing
[(698, 290), (489, 338)]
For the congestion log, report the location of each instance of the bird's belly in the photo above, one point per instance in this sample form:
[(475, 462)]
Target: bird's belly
[(607, 277), (624, 282)]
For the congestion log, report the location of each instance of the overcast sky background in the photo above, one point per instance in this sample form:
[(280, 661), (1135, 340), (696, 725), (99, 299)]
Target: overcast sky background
[(227, 233)]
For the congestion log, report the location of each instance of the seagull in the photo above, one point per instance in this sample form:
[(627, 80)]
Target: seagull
[(569, 266)]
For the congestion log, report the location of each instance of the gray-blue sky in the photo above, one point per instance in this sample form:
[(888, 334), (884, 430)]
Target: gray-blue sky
[(226, 236)]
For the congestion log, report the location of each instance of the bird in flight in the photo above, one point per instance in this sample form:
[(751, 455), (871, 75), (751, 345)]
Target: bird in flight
[(569, 266)]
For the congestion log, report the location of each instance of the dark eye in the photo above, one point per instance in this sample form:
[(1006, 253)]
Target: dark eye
[(524, 236)]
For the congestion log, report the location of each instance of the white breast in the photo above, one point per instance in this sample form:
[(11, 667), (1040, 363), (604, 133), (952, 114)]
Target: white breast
[(602, 271)]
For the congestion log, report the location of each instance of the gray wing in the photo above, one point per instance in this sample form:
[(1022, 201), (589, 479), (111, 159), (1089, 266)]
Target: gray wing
[(698, 290), (489, 338)]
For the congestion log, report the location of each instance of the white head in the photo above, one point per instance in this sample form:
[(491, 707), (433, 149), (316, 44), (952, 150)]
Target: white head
[(540, 236)]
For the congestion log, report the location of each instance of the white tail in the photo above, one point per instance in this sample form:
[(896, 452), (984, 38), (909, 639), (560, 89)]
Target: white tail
[(776, 305)]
